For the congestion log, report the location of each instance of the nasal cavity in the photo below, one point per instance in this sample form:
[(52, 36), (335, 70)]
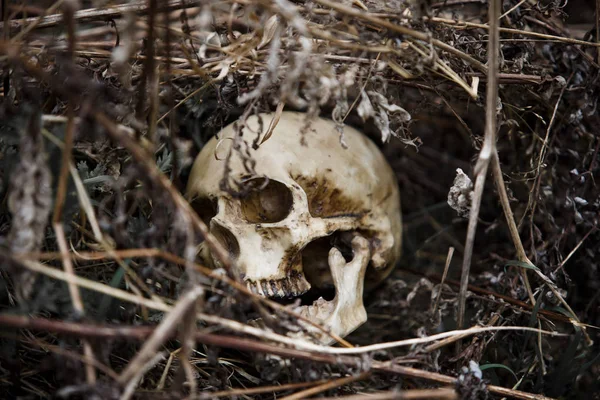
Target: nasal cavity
[(226, 239)]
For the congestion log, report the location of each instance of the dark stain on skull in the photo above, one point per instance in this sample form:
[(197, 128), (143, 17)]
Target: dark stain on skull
[(325, 200)]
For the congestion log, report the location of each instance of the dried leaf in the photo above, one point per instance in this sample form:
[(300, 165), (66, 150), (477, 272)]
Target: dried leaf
[(365, 109), (381, 117), (269, 32), (459, 197), (382, 102)]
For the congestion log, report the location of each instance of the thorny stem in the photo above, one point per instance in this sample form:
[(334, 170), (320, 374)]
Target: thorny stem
[(488, 149)]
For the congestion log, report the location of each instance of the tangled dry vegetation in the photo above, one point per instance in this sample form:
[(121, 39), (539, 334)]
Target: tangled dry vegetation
[(105, 104)]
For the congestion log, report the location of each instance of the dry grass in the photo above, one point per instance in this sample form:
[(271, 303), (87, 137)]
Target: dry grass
[(105, 105)]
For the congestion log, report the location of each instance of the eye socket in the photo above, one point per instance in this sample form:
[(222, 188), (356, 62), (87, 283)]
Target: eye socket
[(267, 203), (205, 208)]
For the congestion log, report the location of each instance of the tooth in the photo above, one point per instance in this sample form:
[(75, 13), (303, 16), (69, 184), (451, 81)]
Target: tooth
[(277, 287), (284, 288), (264, 288), (252, 287)]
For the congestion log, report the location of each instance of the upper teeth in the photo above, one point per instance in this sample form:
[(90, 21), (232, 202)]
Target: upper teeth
[(286, 287)]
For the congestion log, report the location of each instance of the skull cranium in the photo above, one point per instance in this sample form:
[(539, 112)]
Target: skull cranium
[(311, 198)]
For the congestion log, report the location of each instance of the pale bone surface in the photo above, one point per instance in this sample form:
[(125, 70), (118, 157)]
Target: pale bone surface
[(280, 236)]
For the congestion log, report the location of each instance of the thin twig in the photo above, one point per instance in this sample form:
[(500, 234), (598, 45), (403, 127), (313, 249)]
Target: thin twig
[(166, 328), (563, 262), (412, 394), (446, 268), (353, 12), (487, 150), (97, 14), (35, 22), (598, 28), (514, 232), (510, 220), (260, 333), (59, 204), (465, 24), (531, 203), (129, 390), (326, 386), (258, 390)]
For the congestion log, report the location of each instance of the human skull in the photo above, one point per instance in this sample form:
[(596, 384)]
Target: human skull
[(308, 205)]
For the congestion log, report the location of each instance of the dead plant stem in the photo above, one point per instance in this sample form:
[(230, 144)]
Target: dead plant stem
[(512, 226), (563, 262), (261, 389), (521, 256), (326, 386), (356, 13), (243, 344), (142, 370), (260, 333), (411, 394), (446, 268), (598, 29), (466, 24), (487, 150), (35, 22), (165, 330), (531, 204), (90, 372), (91, 14), (59, 204)]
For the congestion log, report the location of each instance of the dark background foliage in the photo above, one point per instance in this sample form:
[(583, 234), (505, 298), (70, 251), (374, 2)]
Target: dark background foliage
[(548, 144)]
